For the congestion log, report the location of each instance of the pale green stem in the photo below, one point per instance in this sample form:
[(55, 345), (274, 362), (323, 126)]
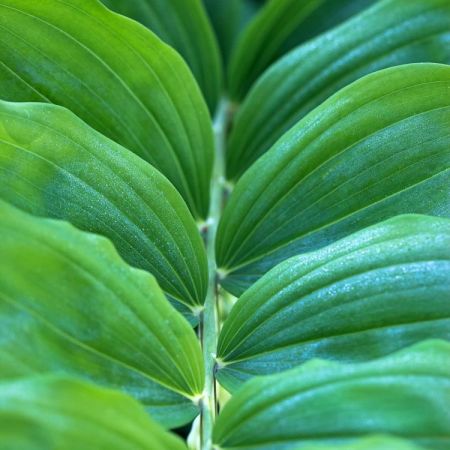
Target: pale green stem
[(209, 319)]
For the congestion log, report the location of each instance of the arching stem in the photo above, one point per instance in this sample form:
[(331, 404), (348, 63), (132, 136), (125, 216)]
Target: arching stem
[(210, 314)]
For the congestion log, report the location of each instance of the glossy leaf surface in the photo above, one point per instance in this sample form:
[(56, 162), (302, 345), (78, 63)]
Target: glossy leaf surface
[(378, 148), (278, 27), (59, 412), (405, 394), (370, 294), (115, 75), (182, 24), (391, 33), (70, 304), (52, 164)]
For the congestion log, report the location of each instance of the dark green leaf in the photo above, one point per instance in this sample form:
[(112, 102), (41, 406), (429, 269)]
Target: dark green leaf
[(63, 413), (391, 33), (406, 394), (378, 148), (53, 164), (69, 304), (115, 75), (372, 293), (278, 27), (229, 18), (183, 24)]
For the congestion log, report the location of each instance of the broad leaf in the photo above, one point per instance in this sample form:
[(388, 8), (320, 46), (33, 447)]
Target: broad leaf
[(345, 302), (391, 33), (367, 443), (115, 75), (183, 24), (64, 413), (405, 394), (69, 304), (278, 27), (53, 164), (378, 148)]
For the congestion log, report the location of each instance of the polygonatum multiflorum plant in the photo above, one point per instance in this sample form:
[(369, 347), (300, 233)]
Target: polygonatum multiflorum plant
[(224, 225)]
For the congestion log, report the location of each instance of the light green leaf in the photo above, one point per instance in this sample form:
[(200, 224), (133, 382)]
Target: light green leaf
[(52, 164), (277, 28), (405, 394), (70, 304), (391, 33), (378, 148), (184, 25), (64, 413), (370, 294), (115, 75)]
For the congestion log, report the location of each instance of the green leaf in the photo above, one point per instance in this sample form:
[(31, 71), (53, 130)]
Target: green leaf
[(70, 304), (367, 443), (405, 394), (277, 28), (63, 413), (229, 17), (187, 29), (391, 33), (345, 302), (378, 148), (115, 75), (52, 164)]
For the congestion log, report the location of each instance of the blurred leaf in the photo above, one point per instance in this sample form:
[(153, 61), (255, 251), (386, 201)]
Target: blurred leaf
[(184, 25), (391, 33), (63, 413), (372, 293), (405, 394), (70, 304), (366, 443), (378, 148), (115, 75), (229, 17), (278, 27), (52, 164)]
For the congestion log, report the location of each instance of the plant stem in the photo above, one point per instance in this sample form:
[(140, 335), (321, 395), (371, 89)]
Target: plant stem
[(209, 318)]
